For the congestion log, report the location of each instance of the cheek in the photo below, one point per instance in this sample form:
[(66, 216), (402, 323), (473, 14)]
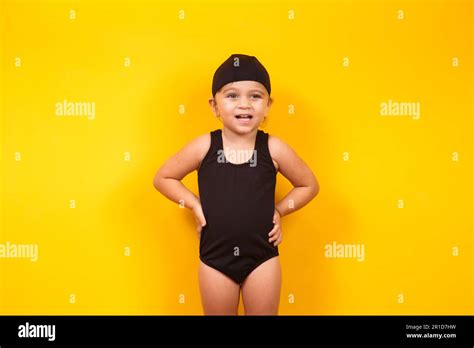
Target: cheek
[(227, 108), (260, 106), (222, 106)]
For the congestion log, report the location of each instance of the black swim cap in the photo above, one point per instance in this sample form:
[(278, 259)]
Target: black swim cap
[(240, 67)]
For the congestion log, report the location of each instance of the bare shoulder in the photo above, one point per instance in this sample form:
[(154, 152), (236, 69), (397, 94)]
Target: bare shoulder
[(201, 143), (187, 159), (290, 164), (199, 147), (278, 148)]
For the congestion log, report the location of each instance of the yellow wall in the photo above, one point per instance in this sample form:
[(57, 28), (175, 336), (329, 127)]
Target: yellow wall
[(80, 187)]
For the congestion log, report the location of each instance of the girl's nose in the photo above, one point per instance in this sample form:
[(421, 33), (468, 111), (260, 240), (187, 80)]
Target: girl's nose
[(244, 101)]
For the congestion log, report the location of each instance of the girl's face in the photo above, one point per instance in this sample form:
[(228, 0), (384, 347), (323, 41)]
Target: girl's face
[(241, 105)]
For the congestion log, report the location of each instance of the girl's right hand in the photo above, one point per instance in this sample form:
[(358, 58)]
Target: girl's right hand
[(200, 219)]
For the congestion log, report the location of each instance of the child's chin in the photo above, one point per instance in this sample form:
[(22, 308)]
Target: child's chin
[(243, 128)]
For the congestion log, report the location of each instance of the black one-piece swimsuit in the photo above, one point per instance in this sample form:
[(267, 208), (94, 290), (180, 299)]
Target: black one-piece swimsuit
[(238, 202)]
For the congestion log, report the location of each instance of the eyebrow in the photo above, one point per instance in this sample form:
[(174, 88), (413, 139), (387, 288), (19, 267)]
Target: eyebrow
[(252, 90)]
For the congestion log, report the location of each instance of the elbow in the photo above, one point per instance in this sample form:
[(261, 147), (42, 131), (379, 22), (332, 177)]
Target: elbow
[(314, 188), (317, 191), (157, 182)]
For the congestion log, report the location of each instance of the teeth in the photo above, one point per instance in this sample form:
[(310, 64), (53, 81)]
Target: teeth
[(244, 116)]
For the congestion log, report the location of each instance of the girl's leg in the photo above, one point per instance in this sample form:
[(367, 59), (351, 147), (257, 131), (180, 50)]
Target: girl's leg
[(219, 294), (261, 289)]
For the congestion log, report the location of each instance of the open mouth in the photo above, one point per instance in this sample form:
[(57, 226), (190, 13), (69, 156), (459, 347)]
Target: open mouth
[(244, 116)]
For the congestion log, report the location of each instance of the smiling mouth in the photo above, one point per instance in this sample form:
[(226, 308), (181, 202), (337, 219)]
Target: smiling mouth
[(244, 116)]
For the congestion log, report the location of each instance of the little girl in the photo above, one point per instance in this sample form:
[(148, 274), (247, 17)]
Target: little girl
[(238, 222)]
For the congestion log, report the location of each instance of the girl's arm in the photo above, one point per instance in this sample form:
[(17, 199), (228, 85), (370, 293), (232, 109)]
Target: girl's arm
[(292, 167), (168, 178)]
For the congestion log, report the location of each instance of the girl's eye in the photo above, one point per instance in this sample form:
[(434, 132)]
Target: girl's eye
[(233, 95)]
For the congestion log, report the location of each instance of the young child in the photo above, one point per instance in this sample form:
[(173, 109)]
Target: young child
[(238, 222)]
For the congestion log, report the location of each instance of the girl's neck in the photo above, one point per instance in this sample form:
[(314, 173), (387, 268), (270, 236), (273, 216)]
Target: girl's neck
[(239, 140)]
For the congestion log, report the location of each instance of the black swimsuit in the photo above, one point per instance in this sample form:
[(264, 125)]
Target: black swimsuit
[(238, 202)]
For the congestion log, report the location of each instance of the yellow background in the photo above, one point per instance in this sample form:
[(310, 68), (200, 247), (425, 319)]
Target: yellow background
[(408, 251)]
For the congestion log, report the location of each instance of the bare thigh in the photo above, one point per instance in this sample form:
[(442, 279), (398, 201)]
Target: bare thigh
[(219, 294), (261, 289)]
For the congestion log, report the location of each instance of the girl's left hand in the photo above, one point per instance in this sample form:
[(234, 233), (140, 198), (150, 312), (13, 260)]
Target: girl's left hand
[(275, 234)]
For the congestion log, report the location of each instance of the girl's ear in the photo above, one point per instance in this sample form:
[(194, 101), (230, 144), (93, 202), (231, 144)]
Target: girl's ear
[(213, 104), (270, 101)]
